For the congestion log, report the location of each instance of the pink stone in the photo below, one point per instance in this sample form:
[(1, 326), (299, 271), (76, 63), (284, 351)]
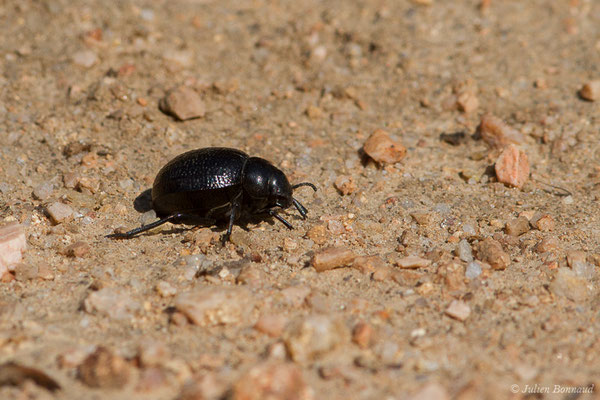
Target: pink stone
[(512, 167)]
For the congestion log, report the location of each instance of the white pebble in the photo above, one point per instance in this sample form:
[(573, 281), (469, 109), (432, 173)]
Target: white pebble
[(473, 270)]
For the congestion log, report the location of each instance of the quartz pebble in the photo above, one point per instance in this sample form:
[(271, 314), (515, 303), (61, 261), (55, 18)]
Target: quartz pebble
[(308, 338), (590, 91), (12, 245), (413, 262), (473, 270), (208, 306), (113, 302), (85, 58), (104, 369), (497, 133), (43, 191), (464, 251), (332, 257), (490, 251), (517, 226), (566, 283), (183, 103), (459, 310), (512, 167), (59, 212), (165, 289), (382, 149), (272, 380)]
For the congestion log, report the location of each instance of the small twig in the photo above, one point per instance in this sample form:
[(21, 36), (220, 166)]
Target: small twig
[(562, 192)]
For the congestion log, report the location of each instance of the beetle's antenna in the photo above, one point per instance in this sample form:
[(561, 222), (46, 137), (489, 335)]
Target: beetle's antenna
[(296, 186)]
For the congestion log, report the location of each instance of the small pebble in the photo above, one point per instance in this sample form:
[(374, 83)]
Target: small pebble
[(25, 272), (345, 184), (431, 391), (543, 222), (413, 262), (272, 380), (367, 264), (271, 324), (490, 251), (165, 289), (12, 245), (512, 167), (590, 91), (252, 275), (464, 251), (183, 103), (473, 270), (517, 226), (85, 58), (113, 302), (104, 369), (59, 212), (295, 295), (467, 102), (332, 257), (308, 338), (43, 191), (459, 310), (318, 234), (152, 353), (209, 306), (497, 133), (151, 380), (204, 386), (548, 244), (314, 112), (362, 334), (77, 250), (566, 283), (382, 149)]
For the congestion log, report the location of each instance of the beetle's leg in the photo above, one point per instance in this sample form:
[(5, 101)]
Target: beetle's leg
[(274, 214), (144, 228), (301, 209), (235, 208)]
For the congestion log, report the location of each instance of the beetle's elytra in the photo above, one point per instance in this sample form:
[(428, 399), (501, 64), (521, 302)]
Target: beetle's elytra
[(218, 183)]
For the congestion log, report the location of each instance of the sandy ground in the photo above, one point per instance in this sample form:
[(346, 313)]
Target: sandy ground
[(302, 84)]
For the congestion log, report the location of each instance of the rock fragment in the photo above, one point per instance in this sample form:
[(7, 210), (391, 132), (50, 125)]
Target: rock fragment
[(345, 184), (209, 306), (517, 226), (43, 191), (78, 250), (113, 302), (413, 262), (85, 58), (204, 386), (566, 283), (318, 234), (512, 167), (367, 264), (459, 310), (543, 222), (490, 251), (464, 251), (183, 103), (308, 338), (273, 381), (12, 245), (59, 212), (271, 324), (473, 270), (332, 257), (362, 334), (467, 102), (104, 369), (382, 149), (497, 133), (590, 91)]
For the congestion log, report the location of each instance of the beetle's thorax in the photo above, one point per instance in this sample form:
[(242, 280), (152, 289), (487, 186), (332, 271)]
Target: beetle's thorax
[(265, 185)]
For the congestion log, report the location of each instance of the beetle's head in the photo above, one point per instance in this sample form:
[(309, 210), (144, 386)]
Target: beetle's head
[(266, 185)]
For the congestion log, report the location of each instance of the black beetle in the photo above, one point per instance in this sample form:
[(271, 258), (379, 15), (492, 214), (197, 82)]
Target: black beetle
[(218, 183)]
